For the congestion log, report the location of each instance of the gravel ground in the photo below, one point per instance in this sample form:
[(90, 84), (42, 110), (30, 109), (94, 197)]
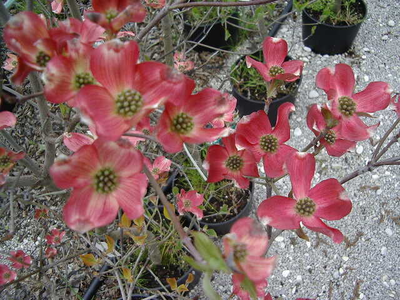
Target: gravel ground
[(366, 266)]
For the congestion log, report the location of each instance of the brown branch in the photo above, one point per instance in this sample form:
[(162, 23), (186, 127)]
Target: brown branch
[(376, 155), (315, 140)]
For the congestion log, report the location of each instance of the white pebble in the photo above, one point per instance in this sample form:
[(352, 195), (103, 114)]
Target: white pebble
[(345, 258), (375, 176), (392, 281), (384, 251), (359, 149), (299, 279), (336, 275), (386, 284), (361, 296), (366, 78), (285, 273), (379, 192), (385, 37), (279, 239), (341, 271), (391, 23), (307, 49), (389, 231), (313, 94), (366, 49), (297, 131)]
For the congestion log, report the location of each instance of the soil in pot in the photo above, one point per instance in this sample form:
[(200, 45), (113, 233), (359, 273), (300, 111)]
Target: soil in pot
[(250, 89), (326, 32), (217, 30)]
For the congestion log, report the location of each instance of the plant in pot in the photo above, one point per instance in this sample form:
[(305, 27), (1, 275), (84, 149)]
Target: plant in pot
[(212, 26), (226, 195), (269, 84), (330, 26)]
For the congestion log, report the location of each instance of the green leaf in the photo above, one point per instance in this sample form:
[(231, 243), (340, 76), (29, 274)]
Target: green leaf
[(224, 209), (211, 232), (196, 265), (64, 109), (227, 34), (211, 253), (208, 289), (249, 286), (175, 190)]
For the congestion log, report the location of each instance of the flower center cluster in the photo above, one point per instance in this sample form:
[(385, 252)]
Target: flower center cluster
[(305, 207), (239, 252), (83, 79), (155, 170), (111, 14), (347, 106), (105, 181), (5, 161), (234, 163), (269, 143), (276, 70), (330, 137), (42, 58), (182, 123), (7, 275), (128, 103), (187, 203)]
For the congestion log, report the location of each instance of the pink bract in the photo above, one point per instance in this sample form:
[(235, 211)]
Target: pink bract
[(11, 62), (227, 162), (333, 142), (7, 119), (160, 165), (50, 252), (274, 67), (244, 250), (327, 200), (7, 161), (346, 106), (122, 100), (187, 122), (74, 140), (6, 275), (189, 202), (55, 237), (57, 6), (103, 176), (255, 134), (20, 260), (226, 116), (113, 14)]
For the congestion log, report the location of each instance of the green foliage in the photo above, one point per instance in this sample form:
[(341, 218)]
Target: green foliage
[(208, 288), (207, 14), (326, 9)]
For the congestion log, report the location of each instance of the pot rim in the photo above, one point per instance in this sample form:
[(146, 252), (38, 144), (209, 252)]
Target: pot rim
[(317, 22)]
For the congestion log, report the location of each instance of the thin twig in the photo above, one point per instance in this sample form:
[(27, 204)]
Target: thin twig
[(375, 155), (194, 163), (143, 136)]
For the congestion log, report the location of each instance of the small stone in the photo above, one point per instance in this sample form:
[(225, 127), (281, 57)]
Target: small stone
[(366, 78), (375, 176), (391, 23), (384, 251), (366, 50), (385, 278), (341, 271), (392, 281), (285, 273), (386, 284), (307, 49), (379, 192), (385, 37), (389, 231), (336, 275), (345, 258), (313, 94), (363, 56), (279, 239), (297, 131), (359, 149), (299, 279), (361, 296)]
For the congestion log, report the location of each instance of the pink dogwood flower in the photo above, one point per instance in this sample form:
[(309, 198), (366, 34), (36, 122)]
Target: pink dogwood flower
[(244, 250), (41, 213), (186, 123), (103, 176), (255, 133), (181, 63), (57, 6), (274, 67), (11, 62), (20, 260), (327, 200), (50, 252), (55, 238), (27, 35), (346, 106), (333, 142), (161, 165), (227, 162), (113, 14), (7, 119), (190, 202), (6, 275), (122, 101), (237, 280), (226, 116), (8, 159), (74, 140)]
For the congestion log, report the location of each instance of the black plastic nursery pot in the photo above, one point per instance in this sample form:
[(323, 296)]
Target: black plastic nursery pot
[(247, 105), (330, 39), (213, 34)]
